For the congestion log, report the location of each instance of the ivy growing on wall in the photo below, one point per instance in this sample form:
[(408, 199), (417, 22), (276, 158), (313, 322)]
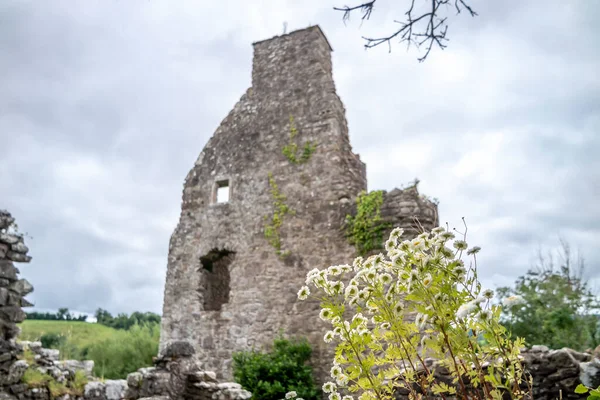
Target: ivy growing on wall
[(290, 150), (280, 209), (365, 230)]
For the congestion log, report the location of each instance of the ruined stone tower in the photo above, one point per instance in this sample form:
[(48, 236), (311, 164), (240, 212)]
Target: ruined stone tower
[(230, 288)]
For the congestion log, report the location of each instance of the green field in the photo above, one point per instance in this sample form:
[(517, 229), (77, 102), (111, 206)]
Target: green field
[(80, 334), (115, 352)]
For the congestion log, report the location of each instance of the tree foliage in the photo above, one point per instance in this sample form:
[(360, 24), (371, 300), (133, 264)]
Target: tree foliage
[(269, 376), (124, 321), (425, 23), (559, 310), (63, 314)]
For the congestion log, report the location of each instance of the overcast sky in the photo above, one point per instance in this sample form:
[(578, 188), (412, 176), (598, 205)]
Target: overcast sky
[(105, 105)]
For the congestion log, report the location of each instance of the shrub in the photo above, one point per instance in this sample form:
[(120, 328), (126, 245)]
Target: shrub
[(560, 309), (52, 340), (269, 376), (125, 352), (389, 312), (365, 229)]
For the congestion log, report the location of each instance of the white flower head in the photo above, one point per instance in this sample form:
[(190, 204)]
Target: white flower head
[(337, 287), (460, 245), (398, 259), (418, 244), (336, 371), (363, 294), (335, 396), (334, 270), (446, 252), (396, 233), (385, 325), (329, 387), (303, 293), (405, 246), (488, 294), (484, 315), (390, 245), (385, 278), (291, 395), (351, 291), (371, 275), (399, 307), (466, 309), (346, 268), (447, 235), (513, 301), (421, 320), (427, 279), (347, 397), (341, 380), (378, 260), (437, 230), (358, 263), (473, 250), (372, 307), (326, 314), (329, 336)]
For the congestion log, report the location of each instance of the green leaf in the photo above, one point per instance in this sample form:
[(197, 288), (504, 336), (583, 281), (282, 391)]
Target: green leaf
[(580, 389)]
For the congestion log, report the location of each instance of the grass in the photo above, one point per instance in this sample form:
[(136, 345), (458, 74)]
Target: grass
[(79, 334), (115, 353)]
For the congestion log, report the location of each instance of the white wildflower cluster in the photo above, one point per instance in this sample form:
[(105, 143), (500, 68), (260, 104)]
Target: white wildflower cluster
[(377, 287), (391, 307)]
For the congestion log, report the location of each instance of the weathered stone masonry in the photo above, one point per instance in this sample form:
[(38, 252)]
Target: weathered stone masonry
[(226, 288)]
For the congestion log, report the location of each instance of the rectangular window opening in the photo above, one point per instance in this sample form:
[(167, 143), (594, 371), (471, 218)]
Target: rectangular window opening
[(223, 192)]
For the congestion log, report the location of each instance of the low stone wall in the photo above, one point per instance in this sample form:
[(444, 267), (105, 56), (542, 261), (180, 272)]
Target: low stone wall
[(555, 373)]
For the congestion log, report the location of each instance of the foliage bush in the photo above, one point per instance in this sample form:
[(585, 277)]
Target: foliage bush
[(365, 229), (559, 310), (269, 376), (125, 352), (52, 340), (389, 312)]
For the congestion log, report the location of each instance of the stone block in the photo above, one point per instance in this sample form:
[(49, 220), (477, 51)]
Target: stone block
[(22, 287), (12, 314), (19, 247), (15, 373), (9, 238), (8, 270), (18, 257), (3, 249), (4, 295)]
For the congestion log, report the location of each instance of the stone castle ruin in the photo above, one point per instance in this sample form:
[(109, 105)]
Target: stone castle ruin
[(266, 202)]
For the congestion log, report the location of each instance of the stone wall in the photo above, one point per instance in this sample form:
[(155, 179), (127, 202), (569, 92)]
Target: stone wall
[(555, 373), (12, 297)]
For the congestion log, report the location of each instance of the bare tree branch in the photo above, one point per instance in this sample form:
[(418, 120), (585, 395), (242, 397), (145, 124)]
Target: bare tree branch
[(428, 29)]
